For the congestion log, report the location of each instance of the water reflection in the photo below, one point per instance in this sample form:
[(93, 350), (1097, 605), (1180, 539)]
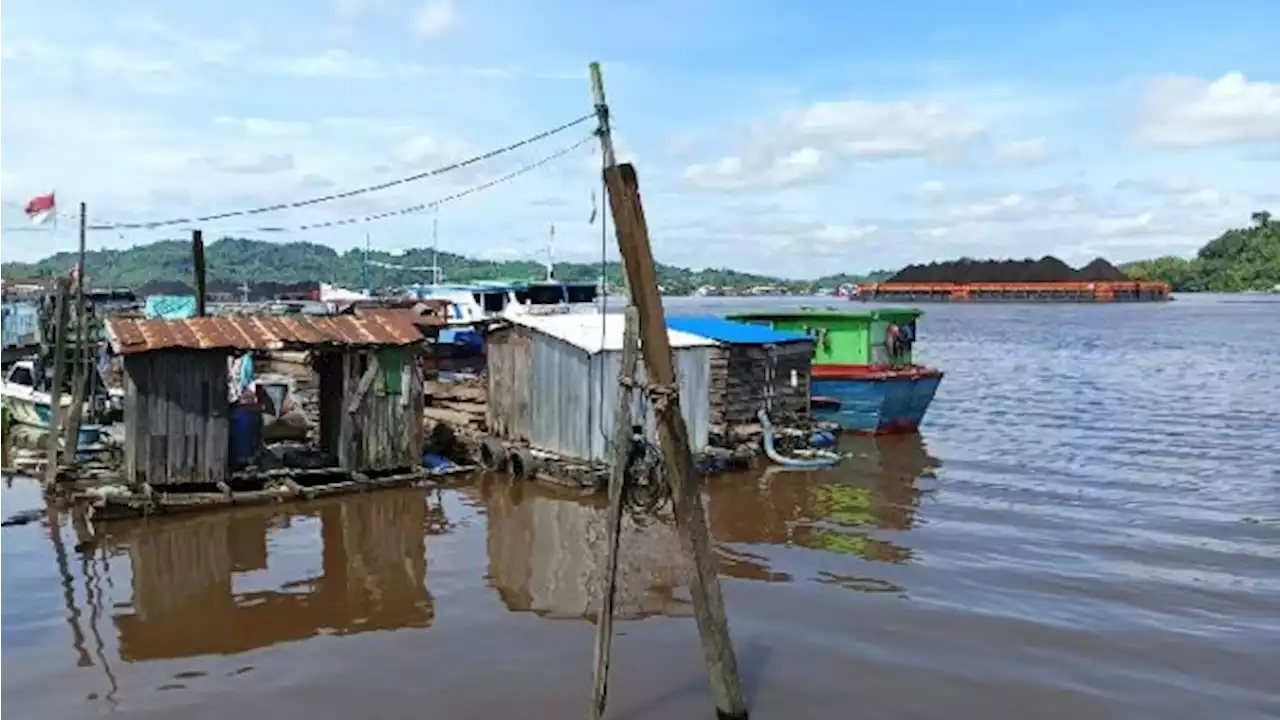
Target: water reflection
[(545, 555), (837, 510), (545, 547), (216, 583)]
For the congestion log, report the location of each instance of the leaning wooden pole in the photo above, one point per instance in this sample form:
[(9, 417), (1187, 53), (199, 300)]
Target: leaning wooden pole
[(83, 363), (55, 392), (623, 421), (673, 437)]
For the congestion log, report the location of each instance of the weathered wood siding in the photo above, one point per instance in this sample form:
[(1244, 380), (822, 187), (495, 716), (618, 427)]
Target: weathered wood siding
[(177, 417), (508, 353), (740, 381), (385, 430)]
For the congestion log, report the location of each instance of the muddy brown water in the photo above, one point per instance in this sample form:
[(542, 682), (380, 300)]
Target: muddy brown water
[(1089, 527)]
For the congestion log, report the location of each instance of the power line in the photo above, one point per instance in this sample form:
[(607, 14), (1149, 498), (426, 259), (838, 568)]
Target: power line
[(423, 207), (348, 193)]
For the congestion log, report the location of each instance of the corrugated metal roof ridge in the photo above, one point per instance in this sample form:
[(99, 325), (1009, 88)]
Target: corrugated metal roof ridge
[(582, 330), (132, 335), (733, 332)]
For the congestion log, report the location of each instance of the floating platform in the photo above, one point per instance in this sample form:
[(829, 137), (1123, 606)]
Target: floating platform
[(1082, 292)]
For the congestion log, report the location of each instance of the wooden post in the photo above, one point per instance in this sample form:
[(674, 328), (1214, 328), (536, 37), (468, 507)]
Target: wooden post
[(627, 375), (80, 383), (197, 258), (613, 522), (55, 392), (673, 437)]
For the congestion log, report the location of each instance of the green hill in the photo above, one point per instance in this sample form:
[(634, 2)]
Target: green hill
[(1238, 260), (238, 260)]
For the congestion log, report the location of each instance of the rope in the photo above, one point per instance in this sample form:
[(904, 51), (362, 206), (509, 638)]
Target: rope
[(424, 207), (661, 396), (347, 193), (645, 490)]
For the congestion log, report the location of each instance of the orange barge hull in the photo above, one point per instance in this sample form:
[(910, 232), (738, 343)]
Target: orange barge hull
[(1128, 291)]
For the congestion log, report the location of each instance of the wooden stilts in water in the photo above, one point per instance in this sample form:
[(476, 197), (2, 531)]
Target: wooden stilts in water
[(59, 370), (673, 436)]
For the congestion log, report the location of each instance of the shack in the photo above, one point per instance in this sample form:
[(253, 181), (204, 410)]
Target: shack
[(753, 367), (178, 395), (553, 383)]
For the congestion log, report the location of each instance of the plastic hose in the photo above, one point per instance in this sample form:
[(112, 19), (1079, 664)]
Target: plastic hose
[(774, 455)]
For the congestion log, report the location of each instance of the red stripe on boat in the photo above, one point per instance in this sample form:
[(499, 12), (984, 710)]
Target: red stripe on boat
[(873, 372)]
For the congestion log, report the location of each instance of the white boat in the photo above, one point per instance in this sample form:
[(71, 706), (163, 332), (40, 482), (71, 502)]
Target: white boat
[(28, 404)]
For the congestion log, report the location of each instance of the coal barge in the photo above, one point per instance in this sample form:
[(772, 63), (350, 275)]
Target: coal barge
[(1045, 280)]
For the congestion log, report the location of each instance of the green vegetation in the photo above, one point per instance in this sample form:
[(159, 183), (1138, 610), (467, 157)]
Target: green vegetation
[(1238, 260), (238, 260)]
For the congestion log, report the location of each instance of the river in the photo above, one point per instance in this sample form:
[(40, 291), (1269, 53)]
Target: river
[(1088, 527)]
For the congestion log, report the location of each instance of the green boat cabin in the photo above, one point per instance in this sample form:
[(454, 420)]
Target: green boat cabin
[(849, 337)]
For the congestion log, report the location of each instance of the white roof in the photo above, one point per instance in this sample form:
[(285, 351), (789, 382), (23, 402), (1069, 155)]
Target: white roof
[(586, 330)]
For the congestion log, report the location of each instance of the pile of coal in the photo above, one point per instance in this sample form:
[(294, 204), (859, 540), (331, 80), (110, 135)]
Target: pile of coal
[(1047, 269)]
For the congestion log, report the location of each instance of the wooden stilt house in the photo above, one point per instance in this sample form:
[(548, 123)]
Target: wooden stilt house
[(178, 393)]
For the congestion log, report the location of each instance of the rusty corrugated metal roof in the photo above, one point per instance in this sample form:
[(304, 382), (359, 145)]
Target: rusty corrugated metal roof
[(421, 312), (132, 335)]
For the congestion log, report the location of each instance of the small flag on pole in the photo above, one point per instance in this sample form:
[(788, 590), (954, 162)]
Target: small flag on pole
[(41, 208)]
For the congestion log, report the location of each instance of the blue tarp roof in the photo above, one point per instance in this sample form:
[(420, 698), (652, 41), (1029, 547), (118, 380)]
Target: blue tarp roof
[(731, 332)]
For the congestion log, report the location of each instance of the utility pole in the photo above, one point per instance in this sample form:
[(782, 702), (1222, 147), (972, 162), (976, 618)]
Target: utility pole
[(80, 371), (551, 254), (197, 260), (364, 265), (435, 246), (645, 306), (622, 433)]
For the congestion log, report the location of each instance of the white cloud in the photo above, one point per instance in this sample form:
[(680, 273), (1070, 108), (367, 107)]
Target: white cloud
[(1140, 224), (1032, 151), (435, 18), (1189, 111), (886, 129), (734, 173)]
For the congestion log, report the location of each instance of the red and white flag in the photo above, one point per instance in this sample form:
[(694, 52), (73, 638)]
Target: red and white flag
[(41, 208)]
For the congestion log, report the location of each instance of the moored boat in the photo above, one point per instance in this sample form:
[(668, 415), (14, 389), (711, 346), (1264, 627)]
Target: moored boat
[(27, 404), (864, 376)]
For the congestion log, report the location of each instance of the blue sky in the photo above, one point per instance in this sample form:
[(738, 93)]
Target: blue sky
[(792, 138)]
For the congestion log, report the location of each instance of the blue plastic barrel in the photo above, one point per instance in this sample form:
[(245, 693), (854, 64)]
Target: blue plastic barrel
[(246, 433)]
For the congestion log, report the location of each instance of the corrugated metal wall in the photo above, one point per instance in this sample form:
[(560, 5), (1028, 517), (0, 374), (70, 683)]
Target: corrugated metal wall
[(693, 369), (572, 395), (19, 325)]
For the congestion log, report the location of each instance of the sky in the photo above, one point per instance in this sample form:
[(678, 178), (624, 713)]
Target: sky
[(788, 138)]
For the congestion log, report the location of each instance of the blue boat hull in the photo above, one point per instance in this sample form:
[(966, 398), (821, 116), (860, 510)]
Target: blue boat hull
[(893, 403)]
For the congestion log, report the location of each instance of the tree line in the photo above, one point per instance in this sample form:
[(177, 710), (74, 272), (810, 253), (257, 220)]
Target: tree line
[(1238, 260), (240, 260)]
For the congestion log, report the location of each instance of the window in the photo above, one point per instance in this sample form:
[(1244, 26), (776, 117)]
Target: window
[(21, 375)]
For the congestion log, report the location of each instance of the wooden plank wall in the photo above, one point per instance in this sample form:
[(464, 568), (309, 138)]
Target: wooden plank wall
[(385, 431), (739, 376), (177, 417), (508, 357)]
